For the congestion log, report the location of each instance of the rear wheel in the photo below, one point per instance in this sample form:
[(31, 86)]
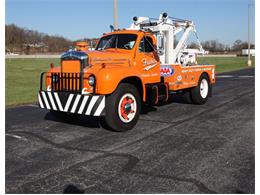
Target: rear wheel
[(200, 93), (123, 108)]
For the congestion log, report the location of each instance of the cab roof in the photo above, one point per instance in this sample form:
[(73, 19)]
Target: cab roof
[(126, 31)]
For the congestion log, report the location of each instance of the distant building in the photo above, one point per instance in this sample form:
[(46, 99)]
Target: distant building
[(35, 48), (245, 52)]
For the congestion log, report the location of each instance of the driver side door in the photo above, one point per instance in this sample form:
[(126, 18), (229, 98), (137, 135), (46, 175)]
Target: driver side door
[(148, 60)]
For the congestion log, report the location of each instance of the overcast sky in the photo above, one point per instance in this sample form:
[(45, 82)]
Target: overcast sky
[(222, 20)]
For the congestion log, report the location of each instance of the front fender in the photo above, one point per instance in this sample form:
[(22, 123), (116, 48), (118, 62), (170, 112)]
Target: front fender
[(109, 78)]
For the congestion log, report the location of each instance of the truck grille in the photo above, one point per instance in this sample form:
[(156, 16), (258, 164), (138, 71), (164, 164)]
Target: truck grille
[(64, 82)]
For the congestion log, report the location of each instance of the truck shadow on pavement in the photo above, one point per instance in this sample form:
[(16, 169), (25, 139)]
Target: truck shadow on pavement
[(75, 119), (98, 122), (177, 98)]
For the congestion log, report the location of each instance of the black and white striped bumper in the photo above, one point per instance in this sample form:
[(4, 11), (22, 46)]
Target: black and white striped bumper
[(74, 103)]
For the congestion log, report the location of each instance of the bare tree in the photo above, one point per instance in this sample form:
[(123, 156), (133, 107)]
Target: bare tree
[(213, 46), (26, 41), (238, 45)]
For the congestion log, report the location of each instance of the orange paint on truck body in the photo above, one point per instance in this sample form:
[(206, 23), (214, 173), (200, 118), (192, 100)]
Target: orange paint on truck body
[(188, 76)]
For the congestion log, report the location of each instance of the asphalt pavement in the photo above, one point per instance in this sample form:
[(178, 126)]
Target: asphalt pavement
[(174, 148)]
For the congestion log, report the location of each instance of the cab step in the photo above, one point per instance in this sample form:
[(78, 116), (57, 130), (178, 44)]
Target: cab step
[(156, 92)]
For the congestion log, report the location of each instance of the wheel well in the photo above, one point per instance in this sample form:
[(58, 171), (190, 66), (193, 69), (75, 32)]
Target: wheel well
[(136, 82), (206, 74), (210, 88)]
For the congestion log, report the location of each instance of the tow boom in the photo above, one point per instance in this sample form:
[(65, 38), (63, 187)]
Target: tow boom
[(165, 29)]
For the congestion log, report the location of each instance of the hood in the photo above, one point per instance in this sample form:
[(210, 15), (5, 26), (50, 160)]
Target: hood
[(110, 57)]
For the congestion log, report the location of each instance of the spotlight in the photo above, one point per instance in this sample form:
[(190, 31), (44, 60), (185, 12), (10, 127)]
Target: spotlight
[(165, 15)]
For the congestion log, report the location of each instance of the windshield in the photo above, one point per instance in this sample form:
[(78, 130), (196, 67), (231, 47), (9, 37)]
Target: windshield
[(122, 41)]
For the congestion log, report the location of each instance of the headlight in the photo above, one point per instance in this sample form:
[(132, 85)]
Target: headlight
[(91, 80)]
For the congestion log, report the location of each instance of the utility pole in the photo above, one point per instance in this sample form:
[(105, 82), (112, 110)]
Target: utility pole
[(115, 14), (249, 63)]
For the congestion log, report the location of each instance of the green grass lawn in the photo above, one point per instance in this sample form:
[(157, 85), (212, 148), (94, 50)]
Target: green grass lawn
[(226, 64), (22, 79), (23, 75)]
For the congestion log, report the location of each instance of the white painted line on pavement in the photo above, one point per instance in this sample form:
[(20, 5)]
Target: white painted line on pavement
[(229, 76), (225, 76), (15, 136)]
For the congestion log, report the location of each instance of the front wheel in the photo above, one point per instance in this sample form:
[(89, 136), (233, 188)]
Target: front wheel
[(123, 108), (200, 93)]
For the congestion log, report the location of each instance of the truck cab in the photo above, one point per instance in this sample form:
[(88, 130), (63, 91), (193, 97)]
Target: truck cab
[(128, 68)]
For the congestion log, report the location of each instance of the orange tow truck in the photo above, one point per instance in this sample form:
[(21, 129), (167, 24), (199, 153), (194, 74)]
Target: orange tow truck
[(128, 68)]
